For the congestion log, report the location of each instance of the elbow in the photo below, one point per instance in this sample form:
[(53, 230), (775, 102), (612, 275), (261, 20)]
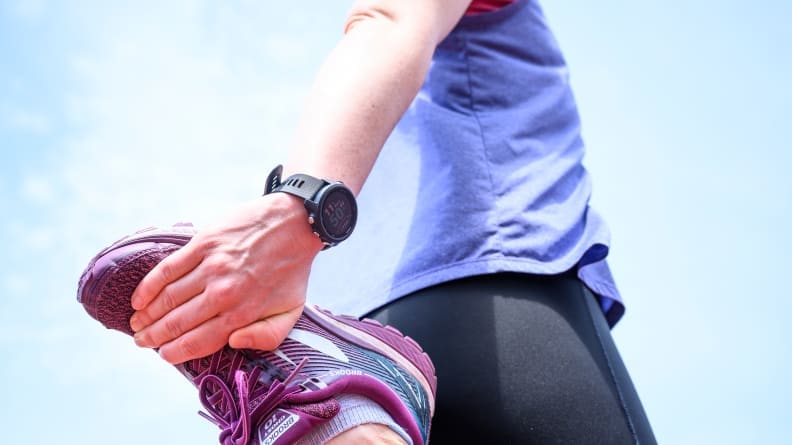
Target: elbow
[(368, 13), (410, 22)]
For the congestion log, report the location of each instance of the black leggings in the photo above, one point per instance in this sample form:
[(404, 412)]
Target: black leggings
[(521, 359)]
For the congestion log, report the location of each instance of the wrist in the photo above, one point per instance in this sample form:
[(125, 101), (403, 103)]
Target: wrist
[(291, 212)]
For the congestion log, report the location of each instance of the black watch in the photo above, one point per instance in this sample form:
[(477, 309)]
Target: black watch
[(331, 206)]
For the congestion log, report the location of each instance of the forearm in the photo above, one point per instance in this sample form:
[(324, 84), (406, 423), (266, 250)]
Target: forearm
[(361, 92), (243, 280)]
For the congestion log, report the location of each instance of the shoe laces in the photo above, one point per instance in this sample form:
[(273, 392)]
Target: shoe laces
[(234, 411)]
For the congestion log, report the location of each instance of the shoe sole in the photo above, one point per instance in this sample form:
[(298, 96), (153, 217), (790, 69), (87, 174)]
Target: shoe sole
[(92, 290)]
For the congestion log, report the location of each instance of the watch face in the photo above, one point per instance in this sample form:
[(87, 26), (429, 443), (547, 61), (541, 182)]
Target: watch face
[(338, 213)]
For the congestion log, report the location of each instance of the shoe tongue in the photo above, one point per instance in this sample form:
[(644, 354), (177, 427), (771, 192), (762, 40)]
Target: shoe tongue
[(286, 425)]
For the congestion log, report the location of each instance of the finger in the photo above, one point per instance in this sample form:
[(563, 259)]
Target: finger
[(200, 342), (266, 334), (172, 296), (190, 315), (168, 270)]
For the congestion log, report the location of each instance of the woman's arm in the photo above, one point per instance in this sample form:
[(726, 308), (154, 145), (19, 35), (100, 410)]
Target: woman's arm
[(367, 83), (243, 280)]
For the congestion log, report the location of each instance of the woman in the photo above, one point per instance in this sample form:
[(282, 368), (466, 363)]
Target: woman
[(475, 236)]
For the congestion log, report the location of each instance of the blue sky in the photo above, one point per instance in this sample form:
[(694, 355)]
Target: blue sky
[(116, 116)]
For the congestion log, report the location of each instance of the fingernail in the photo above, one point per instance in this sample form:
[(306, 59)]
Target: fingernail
[(135, 302), (134, 323), (140, 340)]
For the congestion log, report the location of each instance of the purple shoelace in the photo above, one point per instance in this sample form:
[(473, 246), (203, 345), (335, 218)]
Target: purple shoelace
[(233, 413)]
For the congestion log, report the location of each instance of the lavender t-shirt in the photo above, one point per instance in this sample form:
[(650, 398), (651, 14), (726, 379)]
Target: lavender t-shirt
[(483, 174)]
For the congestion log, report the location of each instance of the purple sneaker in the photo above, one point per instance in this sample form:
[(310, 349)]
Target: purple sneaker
[(278, 397)]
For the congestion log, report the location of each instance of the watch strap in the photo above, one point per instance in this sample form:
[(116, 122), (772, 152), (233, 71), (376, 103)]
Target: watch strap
[(301, 185), (273, 180)]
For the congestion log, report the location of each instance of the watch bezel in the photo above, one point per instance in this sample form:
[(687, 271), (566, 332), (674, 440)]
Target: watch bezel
[(316, 205)]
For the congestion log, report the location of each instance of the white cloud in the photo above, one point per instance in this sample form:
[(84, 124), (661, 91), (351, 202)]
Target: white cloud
[(39, 238), (25, 120), (30, 237), (14, 285), (175, 113), (37, 189), (29, 10), (174, 129)]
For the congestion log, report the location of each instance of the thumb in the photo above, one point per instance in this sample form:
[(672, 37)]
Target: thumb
[(267, 334)]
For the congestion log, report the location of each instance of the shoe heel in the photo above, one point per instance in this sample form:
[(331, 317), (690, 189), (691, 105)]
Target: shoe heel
[(385, 340)]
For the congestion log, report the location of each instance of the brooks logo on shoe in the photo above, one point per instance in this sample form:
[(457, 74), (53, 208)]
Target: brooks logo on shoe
[(276, 426)]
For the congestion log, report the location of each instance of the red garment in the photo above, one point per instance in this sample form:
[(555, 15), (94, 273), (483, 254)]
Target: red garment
[(479, 6)]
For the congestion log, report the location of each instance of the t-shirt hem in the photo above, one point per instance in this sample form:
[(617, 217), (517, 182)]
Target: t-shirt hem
[(610, 299)]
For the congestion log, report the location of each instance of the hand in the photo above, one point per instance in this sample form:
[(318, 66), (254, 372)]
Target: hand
[(241, 282)]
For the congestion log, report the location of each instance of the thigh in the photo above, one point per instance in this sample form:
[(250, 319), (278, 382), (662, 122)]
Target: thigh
[(521, 359)]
